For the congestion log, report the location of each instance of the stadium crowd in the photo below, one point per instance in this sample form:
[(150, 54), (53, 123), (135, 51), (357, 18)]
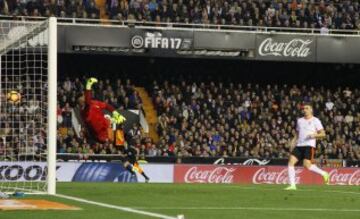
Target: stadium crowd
[(21, 122), (249, 120), (204, 118), (217, 119), (334, 14), (47, 8), (120, 94)]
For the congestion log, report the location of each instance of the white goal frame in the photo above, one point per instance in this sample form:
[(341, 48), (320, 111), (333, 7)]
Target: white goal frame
[(51, 128), (52, 105)]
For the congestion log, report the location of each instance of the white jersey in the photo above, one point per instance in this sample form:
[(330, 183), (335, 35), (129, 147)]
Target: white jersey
[(306, 127)]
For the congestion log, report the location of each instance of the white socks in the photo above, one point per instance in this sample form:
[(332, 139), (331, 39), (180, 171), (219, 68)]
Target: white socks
[(313, 168), (291, 173), (317, 170)]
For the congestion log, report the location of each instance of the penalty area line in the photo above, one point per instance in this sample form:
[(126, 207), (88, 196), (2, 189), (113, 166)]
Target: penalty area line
[(117, 207)]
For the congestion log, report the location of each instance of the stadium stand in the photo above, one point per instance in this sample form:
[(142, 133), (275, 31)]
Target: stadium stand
[(324, 14), (223, 119), (249, 120), (120, 94), (207, 118)]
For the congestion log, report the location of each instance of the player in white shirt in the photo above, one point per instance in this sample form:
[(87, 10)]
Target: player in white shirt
[(309, 129)]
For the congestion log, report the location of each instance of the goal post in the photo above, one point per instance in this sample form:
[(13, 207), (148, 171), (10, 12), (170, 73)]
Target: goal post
[(52, 104), (28, 106)]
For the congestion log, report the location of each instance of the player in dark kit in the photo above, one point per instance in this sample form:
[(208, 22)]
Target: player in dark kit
[(131, 163), (92, 112)]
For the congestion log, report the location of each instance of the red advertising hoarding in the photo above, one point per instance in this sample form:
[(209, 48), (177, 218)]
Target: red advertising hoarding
[(260, 175)]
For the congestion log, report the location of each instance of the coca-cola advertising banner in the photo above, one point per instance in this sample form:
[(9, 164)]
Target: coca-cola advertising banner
[(285, 47), (260, 175)]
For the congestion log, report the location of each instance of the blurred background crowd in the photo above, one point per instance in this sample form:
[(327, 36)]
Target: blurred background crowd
[(196, 116), (214, 118), (331, 14)]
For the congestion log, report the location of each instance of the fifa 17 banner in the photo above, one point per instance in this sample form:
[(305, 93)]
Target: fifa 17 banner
[(260, 175), (161, 39)]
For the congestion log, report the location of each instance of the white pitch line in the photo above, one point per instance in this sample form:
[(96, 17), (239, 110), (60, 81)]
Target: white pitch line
[(301, 189), (250, 208), (342, 192), (127, 209)]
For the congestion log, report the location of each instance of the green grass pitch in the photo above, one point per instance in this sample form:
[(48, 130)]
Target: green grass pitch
[(198, 201)]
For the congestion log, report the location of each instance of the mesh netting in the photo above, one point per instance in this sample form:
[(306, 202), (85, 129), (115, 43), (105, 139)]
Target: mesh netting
[(23, 106)]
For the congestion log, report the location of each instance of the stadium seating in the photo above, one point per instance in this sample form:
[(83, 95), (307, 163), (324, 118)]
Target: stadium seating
[(296, 13), (120, 94), (249, 120), (217, 119)]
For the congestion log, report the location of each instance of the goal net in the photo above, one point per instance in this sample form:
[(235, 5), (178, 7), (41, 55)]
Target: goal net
[(27, 106)]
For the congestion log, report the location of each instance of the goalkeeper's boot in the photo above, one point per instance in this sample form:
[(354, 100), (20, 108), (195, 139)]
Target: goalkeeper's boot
[(90, 82), (147, 179), (291, 187), (326, 178)]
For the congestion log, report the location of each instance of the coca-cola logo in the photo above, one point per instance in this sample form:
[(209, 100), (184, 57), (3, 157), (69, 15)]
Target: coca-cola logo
[(338, 178), (214, 175), (256, 161), (263, 176), (298, 48)]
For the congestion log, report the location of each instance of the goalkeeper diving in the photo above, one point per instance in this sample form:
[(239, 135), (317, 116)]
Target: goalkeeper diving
[(92, 113)]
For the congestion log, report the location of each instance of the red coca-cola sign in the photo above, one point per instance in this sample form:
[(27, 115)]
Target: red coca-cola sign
[(265, 176), (205, 174), (221, 174), (273, 175), (260, 175), (344, 176)]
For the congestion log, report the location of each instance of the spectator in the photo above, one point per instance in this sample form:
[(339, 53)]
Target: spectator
[(213, 120), (297, 14)]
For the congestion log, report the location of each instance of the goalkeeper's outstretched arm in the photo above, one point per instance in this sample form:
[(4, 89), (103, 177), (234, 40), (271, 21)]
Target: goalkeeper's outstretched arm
[(116, 116), (88, 97)]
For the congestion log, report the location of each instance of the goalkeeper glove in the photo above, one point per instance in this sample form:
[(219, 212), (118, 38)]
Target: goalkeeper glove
[(118, 118), (90, 83)]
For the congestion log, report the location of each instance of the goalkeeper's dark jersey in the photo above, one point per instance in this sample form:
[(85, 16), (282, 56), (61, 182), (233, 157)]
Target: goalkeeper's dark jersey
[(131, 154)]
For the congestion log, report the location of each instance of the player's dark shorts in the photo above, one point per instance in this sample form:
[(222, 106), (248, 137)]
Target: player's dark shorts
[(304, 152), (130, 160)]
